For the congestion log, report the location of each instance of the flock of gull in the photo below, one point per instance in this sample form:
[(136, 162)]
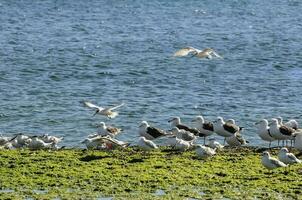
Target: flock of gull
[(180, 137)]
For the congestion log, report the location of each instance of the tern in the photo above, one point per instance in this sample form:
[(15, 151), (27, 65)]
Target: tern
[(108, 112), (205, 53)]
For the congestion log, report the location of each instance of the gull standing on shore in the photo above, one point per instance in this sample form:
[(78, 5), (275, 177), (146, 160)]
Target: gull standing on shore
[(149, 132), (236, 140), (175, 122), (214, 144), (269, 162), (108, 130), (184, 135), (206, 128), (225, 129), (291, 123), (205, 53), (286, 157), (108, 112), (146, 144), (298, 140), (264, 131), (204, 152), (280, 132)]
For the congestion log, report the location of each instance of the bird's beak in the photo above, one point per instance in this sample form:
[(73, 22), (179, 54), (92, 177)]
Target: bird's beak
[(257, 123), (170, 120), (215, 121), (95, 113), (270, 123), (194, 120)]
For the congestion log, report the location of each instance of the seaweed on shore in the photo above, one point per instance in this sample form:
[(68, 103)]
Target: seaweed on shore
[(234, 173)]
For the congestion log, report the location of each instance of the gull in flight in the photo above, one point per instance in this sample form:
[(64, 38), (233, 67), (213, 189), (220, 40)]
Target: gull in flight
[(108, 112), (205, 53)]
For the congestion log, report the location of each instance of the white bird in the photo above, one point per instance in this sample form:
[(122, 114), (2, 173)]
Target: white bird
[(204, 152), (298, 140), (182, 145), (280, 132), (286, 157), (108, 130), (112, 143), (37, 143), (146, 144), (104, 142), (175, 122), (184, 135), (236, 140), (225, 129), (51, 139), (205, 53), (291, 123), (22, 139), (264, 132), (108, 112), (206, 128), (214, 144), (269, 162), (4, 139), (94, 143), (149, 132)]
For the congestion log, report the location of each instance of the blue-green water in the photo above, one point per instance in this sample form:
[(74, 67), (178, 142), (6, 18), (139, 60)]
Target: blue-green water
[(54, 54)]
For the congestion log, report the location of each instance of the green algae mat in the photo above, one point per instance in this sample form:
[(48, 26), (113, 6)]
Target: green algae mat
[(132, 174)]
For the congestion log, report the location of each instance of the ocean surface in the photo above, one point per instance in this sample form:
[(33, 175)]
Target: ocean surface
[(55, 54)]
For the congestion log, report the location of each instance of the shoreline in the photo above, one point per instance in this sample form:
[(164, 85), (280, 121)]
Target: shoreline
[(234, 173)]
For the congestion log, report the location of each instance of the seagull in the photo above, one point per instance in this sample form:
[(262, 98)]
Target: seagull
[(298, 140), (175, 122), (206, 128), (184, 135), (286, 157), (108, 130), (149, 132), (107, 142), (280, 132), (264, 132), (21, 138), (291, 123), (37, 143), (51, 139), (3, 140), (204, 152), (205, 53), (236, 140), (230, 121), (94, 143), (181, 144), (214, 144), (225, 129), (269, 162), (146, 144), (108, 112)]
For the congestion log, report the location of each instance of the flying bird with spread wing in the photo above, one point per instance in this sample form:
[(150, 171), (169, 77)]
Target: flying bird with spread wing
[(205, 53), (108, 112)]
